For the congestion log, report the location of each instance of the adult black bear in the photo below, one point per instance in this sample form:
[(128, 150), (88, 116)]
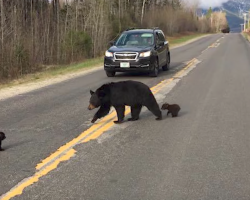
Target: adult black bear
[(118, 94)]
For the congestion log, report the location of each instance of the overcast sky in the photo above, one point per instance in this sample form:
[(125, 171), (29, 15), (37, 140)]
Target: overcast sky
[(207, 3)]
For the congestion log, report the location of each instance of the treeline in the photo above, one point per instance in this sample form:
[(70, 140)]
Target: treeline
[(38, 33), (218, 21)]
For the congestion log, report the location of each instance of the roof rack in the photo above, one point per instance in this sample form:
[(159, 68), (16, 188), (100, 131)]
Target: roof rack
[(155, 28)]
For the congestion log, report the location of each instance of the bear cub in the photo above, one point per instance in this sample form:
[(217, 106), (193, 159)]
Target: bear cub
[(2, 137), (120, 94), (172, 108)]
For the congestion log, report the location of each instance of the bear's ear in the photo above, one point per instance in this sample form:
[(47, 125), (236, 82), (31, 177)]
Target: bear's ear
[(91, 92)]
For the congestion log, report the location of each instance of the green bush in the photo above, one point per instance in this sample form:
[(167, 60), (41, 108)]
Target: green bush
[(78, 45), (21, 61)]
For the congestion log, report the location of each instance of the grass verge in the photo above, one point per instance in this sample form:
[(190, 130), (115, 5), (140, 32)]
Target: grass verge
[(179, 39), (55, 71), (247, 36)]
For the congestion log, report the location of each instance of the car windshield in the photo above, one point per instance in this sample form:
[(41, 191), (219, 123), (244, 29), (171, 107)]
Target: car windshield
[(135, 39)]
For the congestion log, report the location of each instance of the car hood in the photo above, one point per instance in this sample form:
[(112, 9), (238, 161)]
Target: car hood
[(129, 49)]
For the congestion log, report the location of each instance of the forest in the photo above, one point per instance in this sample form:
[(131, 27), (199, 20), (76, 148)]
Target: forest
[(38, 33)]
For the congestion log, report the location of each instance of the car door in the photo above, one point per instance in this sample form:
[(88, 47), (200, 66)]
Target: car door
[(161, 48), (164, 48)]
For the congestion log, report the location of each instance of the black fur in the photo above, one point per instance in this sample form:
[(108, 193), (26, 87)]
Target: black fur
[(172, 108), (2, 137), (119, 94)]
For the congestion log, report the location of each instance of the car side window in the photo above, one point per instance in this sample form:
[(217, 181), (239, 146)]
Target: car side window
[(158, 40), (165, 38), (161, 37)]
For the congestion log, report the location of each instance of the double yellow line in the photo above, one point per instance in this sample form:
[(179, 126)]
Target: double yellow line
[(66, 151)]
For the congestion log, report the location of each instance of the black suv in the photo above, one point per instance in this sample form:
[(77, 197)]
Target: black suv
[(144, 50)]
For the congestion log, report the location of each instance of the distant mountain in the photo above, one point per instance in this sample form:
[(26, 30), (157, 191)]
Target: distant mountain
[(234, 10)]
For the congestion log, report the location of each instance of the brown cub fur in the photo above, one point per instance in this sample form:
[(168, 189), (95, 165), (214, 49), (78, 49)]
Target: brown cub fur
[(2, 137), (172, 108)]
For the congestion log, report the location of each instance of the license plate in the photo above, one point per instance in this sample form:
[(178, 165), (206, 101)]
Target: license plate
[(124, 64)]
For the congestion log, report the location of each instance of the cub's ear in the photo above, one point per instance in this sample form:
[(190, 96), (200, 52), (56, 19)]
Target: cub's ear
[(91, 92)]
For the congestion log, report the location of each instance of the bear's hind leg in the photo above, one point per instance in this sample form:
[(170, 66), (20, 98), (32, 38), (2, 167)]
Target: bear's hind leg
[(154, 108), (1, 146), (135, 112), (120, 114), (175, 114)]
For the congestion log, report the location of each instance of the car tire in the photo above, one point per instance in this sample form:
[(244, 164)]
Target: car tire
[(155, 71), (110, 73), (166, 67)]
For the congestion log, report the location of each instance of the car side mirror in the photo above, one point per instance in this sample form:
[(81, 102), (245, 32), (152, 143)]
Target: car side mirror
[(161, 43), (112, 43)]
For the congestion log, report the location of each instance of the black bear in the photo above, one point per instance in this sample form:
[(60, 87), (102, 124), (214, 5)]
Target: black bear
[(2, 137), (172, 108), (118, 94)]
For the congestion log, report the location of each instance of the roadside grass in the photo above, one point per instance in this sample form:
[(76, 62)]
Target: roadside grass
[(57, 70), (78, 66), (179, 39), (54, 71), (246, 35)]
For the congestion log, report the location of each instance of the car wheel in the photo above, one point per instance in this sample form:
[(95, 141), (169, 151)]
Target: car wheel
[(110, 74), (155, 71), (166, 67)]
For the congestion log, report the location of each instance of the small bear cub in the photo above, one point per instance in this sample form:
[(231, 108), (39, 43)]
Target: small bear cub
[(2, 137), (172, 108)]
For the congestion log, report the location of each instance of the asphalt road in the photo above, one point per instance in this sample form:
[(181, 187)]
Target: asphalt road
[(202, 154)]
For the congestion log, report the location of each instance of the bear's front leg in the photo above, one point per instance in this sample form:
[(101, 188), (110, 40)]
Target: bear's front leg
[(103, 111), (120, 114), (1, 146), (94, 119)]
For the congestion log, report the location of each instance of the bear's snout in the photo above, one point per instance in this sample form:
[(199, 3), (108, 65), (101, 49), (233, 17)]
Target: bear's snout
[(91, 107)]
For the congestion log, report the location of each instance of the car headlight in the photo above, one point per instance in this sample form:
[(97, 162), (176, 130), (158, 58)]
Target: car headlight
[(145, 54), (108, 54)]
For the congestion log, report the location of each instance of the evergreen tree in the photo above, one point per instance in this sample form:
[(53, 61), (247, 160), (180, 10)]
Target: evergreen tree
[(209, 12)]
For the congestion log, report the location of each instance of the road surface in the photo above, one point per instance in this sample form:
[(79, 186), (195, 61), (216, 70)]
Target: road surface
[(202, 154)]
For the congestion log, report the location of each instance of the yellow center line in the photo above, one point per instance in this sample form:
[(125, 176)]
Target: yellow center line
[(66, 151), (19, 189), (178, 74), (107, 126), (156, 86), (75, 140)]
